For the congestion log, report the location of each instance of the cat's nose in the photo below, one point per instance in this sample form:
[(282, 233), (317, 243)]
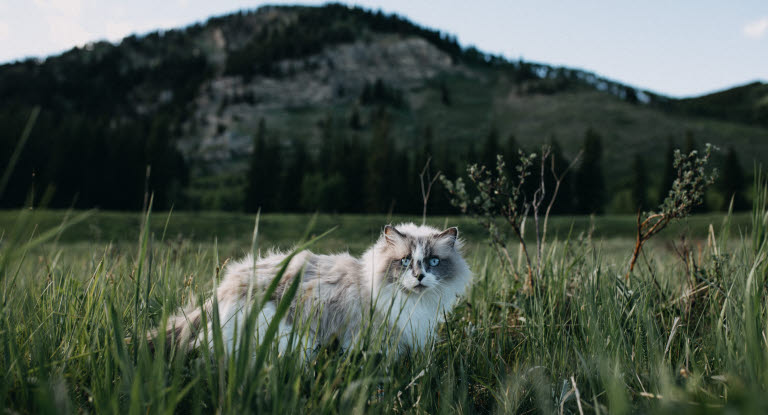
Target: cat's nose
[(419, 276)]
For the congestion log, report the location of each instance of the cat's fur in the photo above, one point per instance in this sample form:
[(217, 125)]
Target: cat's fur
[(338, 291)]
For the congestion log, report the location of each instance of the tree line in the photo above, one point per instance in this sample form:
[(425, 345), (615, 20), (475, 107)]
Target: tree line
[(82, 162), (348, 169), (350, 172)]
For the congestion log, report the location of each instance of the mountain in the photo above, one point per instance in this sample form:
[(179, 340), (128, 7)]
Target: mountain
[(189, 102), (744, 104)]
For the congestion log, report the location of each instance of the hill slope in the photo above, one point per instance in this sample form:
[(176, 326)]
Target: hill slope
[(189, 102)]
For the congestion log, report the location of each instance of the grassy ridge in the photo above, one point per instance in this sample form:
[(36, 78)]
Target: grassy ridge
[(652, 345)]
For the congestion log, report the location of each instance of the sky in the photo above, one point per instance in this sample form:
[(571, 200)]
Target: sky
[(678, 48)]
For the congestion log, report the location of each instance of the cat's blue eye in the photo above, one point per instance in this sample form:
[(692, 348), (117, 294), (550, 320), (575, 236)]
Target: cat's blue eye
[(434, 261), (405, 261)]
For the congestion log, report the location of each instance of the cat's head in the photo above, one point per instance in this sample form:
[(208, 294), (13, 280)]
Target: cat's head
[(419, 259)]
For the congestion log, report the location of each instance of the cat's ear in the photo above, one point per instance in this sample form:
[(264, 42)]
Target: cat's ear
[(450, 235), (391, 234)]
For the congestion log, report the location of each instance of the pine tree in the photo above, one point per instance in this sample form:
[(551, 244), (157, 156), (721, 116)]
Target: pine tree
[(325, 188), (445, 94), (732, 182), (564, 200), (322, 192), (669, 172), (511, 156), (329, 157), (379, 160), (471, 157), (690, 142), (402, 193), (490, 149), (447, 164), (590, 183), (639, 184), (263, 182), (168, 170), (354, 120), (294, 175), (275, 175), (426, 143), (355, 174)]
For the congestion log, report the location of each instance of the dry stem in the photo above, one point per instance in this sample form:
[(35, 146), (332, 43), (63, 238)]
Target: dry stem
[(652, 225), (425, 191), (558, 182)]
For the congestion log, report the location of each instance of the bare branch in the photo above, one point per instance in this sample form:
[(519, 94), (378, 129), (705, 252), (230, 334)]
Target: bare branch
[(538, 199), (426, 190), (558, 182)]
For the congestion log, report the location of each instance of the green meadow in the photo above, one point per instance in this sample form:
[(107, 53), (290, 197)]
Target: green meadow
[(686, 333)]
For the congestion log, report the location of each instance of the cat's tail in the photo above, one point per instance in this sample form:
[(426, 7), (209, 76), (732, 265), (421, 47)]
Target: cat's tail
[(181, 330)]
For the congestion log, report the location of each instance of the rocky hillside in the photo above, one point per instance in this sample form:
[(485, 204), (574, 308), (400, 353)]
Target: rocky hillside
[(197, 96)]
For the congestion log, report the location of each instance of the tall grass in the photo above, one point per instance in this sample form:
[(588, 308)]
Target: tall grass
[(685, 334)]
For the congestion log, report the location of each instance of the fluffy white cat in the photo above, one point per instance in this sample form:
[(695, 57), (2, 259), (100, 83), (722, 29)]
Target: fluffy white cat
[(411, 277)]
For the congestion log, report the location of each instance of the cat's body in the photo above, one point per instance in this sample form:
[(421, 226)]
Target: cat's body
[(410, 277)]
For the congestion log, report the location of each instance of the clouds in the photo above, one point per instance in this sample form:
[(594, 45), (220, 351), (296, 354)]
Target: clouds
[(5, 30), (37, 28), (115, 30), (66, 32), (756, 29), (61, 7), (63, 20)]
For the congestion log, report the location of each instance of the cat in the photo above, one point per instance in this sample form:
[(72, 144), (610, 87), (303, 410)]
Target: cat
[(411, 277)]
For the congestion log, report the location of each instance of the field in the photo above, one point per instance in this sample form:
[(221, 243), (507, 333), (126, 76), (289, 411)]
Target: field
[(686, 333)]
